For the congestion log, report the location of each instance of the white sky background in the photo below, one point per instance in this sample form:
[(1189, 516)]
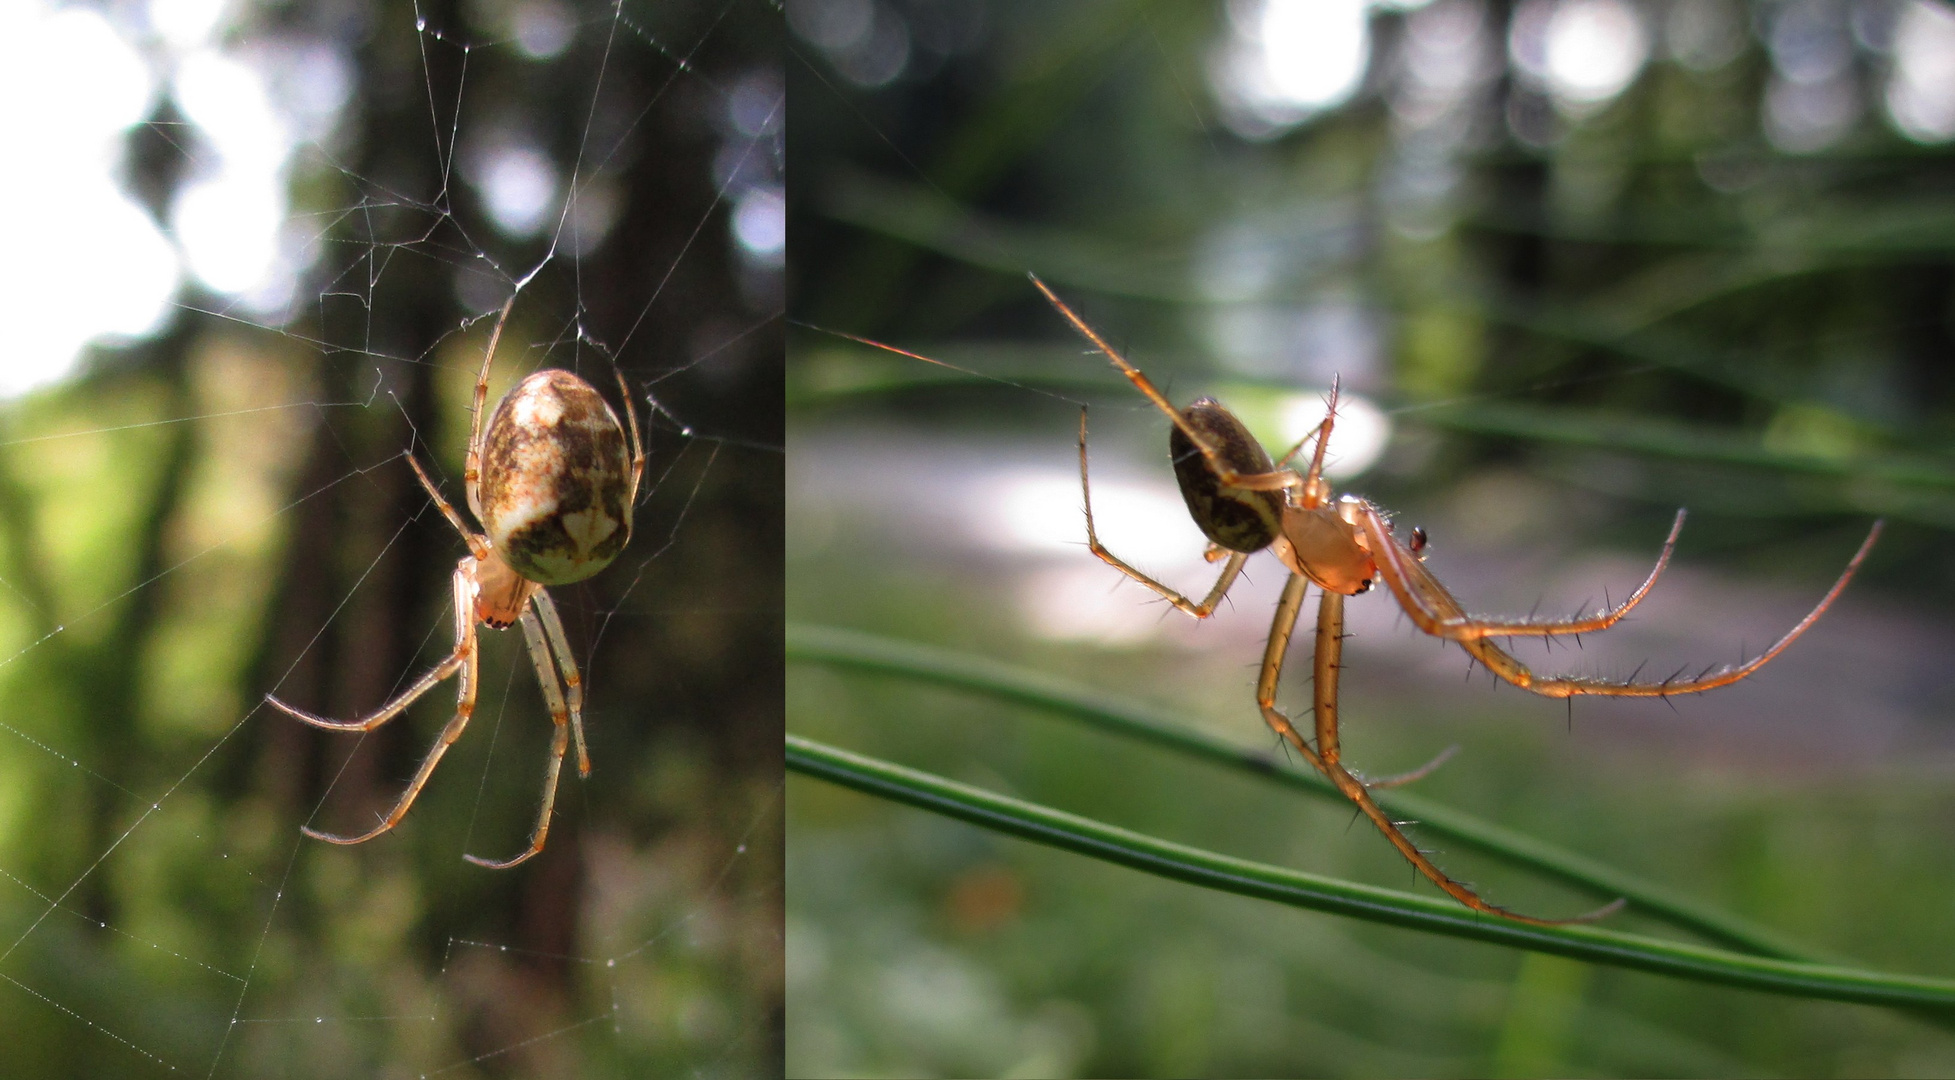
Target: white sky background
[(88, 265)]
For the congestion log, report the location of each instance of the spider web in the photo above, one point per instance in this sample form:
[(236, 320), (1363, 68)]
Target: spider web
[(221, 511)]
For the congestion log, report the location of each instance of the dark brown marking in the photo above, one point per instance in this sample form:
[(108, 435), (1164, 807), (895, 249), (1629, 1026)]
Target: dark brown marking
[(580, 461), (1245, 521)]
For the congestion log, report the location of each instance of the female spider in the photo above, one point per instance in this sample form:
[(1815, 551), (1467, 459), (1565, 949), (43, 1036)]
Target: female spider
[(1244, 503), (553, 486)]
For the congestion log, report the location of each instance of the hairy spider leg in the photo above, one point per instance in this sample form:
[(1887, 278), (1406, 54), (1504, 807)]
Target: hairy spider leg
[(546, 677), (1314, 493), (463, 662), (1470, 627), (1460, 626), (1434, 611), (1314, 490), (1200, 611), (1269, 481), (1327, 758), (1292, 451)]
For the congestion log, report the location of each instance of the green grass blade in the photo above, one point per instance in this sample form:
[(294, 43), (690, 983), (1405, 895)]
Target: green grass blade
[(863, 652), (1179, 862)]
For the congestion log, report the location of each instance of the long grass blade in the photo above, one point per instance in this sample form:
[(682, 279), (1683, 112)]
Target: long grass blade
[(1180, 862), (864, 652)]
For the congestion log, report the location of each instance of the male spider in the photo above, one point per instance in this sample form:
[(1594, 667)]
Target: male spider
[(551, 484), (1245, 503)]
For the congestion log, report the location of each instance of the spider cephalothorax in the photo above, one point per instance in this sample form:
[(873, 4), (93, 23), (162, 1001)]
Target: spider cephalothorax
[(1245, 503), (553, 483)]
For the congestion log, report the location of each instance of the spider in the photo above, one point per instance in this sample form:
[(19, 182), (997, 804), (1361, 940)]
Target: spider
[(1245, 503), (550, 481)]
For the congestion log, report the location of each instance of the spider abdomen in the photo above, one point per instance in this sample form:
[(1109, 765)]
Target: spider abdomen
[(556, 480), (1237, 519)]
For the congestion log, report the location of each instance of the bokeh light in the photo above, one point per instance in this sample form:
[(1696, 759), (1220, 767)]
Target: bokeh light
[(1583, 52), (70, 223), (1921, 92), (1287, 60)]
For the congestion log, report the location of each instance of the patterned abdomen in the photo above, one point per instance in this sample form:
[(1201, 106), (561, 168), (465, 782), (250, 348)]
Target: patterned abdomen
[(555, 480)]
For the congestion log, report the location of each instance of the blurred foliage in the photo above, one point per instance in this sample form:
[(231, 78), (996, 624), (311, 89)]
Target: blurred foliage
[(197, 520), (1578, 320)]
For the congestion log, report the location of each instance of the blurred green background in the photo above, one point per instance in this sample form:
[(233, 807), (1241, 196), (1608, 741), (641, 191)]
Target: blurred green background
[(220, 510), (1590, 260)]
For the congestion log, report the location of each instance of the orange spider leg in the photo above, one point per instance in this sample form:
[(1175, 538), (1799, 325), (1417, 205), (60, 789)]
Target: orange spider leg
[(1284, 625), (1277, 480), (1432, 609), (542, 656), (1327, 757), (1200, 611), (463, 661), (472, 459), (478, 545), (1462, 627), (1316, 492), (637, 446), (573, 683)]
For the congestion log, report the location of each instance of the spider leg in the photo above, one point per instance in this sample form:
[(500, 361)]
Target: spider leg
[(541, 655), (1280, 629), (1376, 783), (464, 640), (472, 460), (1329, 651), (1436, 612), (1200, 611), (477, 546), (1277, 480), (573, 683), (637, 446), (463, 661), (1316, 492), (1292, 452), (384, 713), (1431, 607)]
